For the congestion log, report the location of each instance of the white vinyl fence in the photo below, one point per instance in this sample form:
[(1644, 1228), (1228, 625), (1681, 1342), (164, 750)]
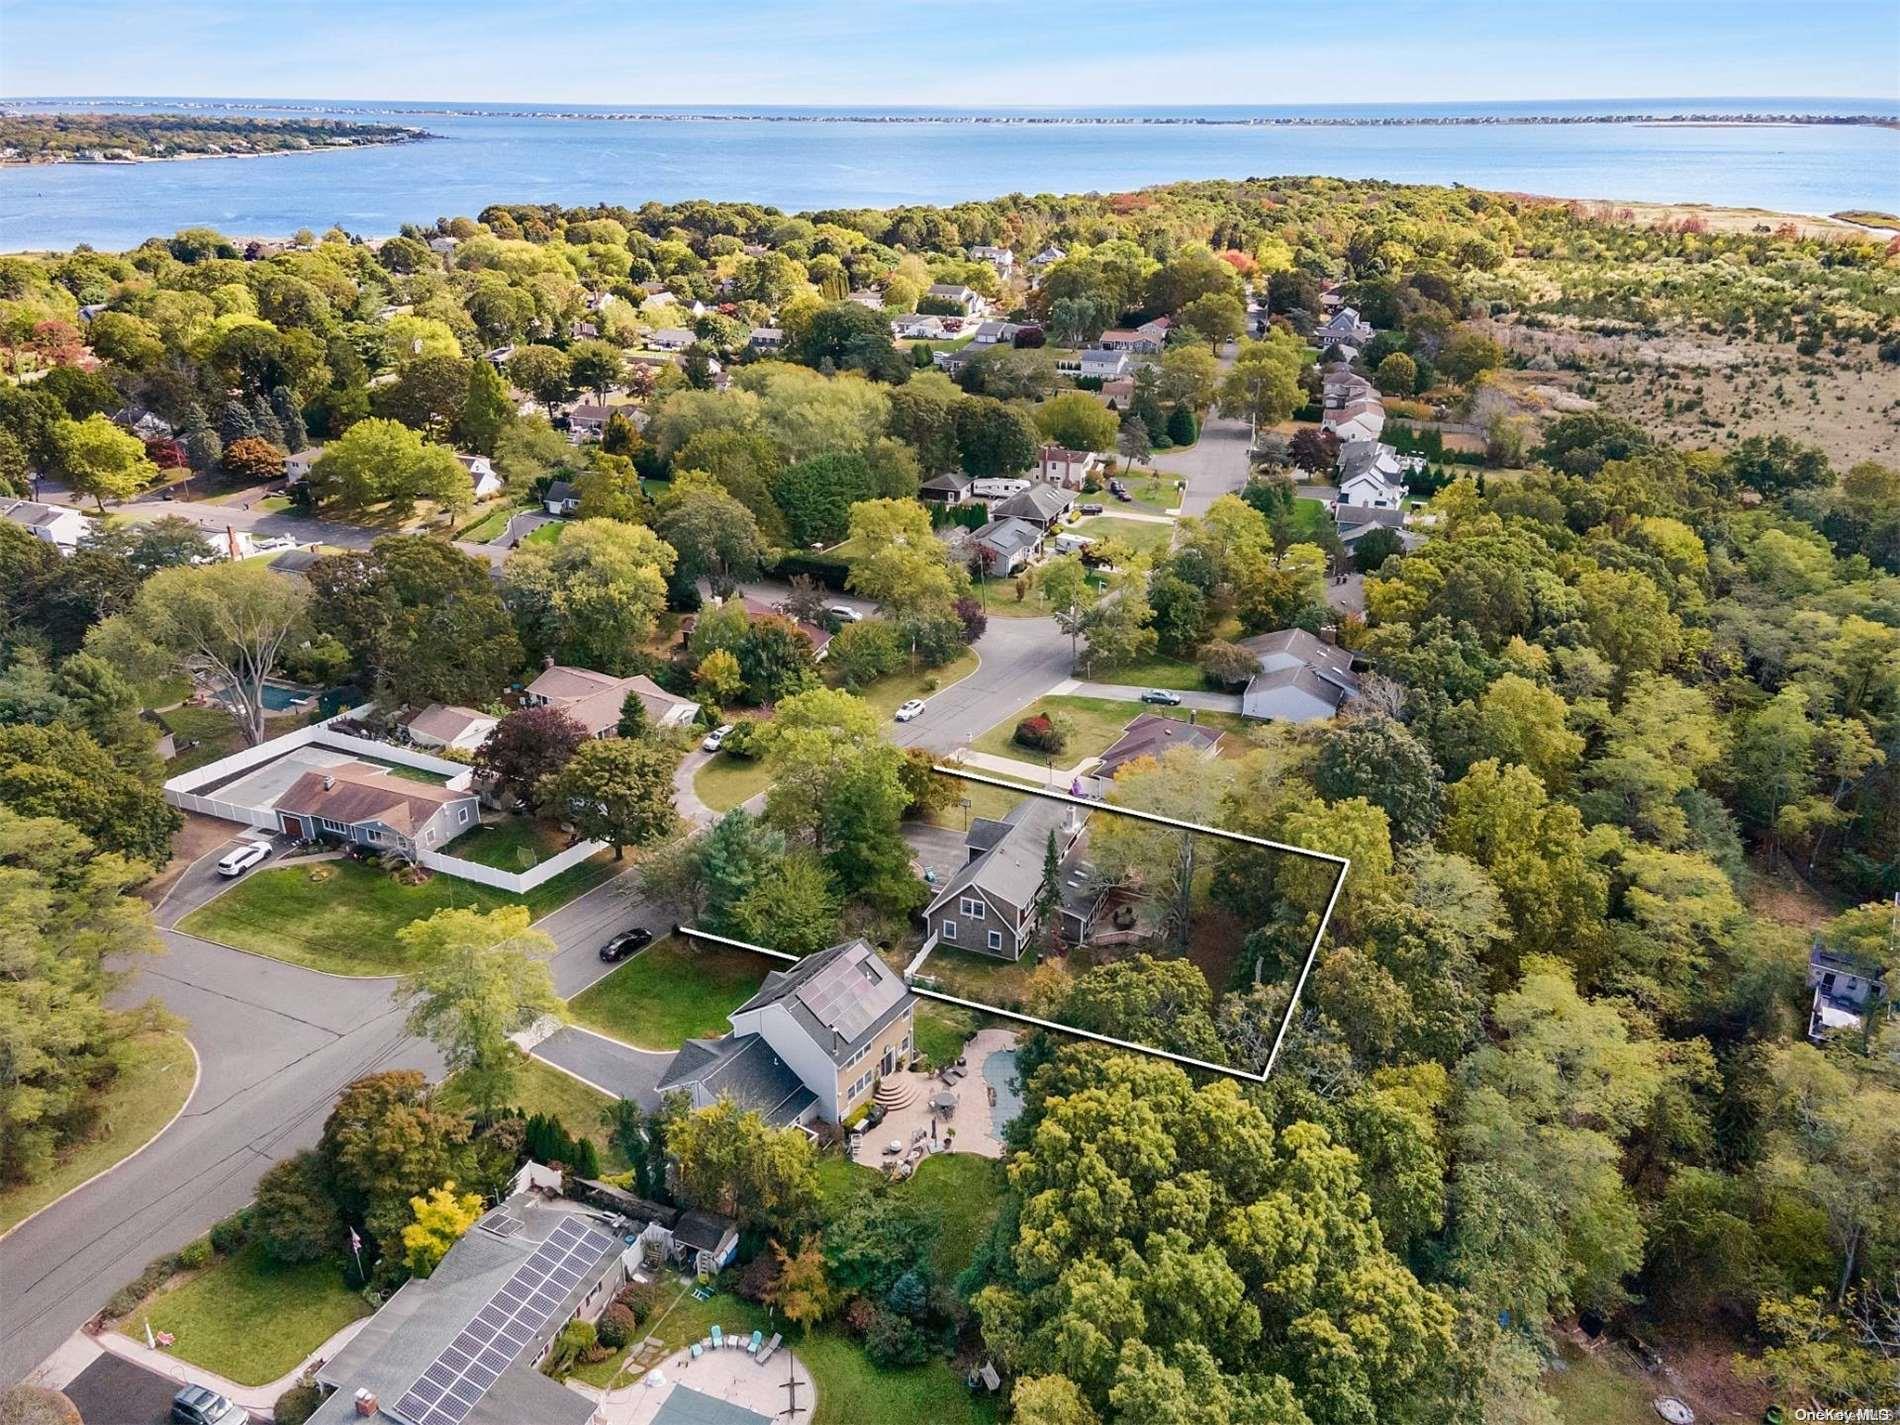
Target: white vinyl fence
[(183, 792)]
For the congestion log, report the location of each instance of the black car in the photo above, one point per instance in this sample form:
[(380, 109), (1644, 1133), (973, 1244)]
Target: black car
[(1091, 509), (194, 1405), (624, 945)]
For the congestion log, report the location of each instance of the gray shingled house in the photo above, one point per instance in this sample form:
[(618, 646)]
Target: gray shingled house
[(989, 906)]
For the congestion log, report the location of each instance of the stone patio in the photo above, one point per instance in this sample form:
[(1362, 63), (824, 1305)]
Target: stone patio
[(729, 1374), (975, 1119)]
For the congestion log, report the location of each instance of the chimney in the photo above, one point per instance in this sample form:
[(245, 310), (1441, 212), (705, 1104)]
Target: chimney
[(365, 1403), (329, 782)]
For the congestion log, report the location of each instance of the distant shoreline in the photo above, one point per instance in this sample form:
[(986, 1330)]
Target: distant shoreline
[(1065, 119), (134, 160)]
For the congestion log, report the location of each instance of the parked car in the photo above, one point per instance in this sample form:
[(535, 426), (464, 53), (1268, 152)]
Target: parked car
[(625, 944), (844, 613), (911, 709), (716, 739), (1124, 497), (240, 859), (194, 1405), (1162, 696), (1093, 509)]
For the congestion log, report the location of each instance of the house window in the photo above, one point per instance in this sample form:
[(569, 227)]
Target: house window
[(949, 930), (996, 940), (333, 826), (465, 816), (971, 907)]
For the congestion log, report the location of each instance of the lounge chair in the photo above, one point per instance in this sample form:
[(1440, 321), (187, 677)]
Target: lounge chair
[(698, 1350), (752, 1346), (718, 1338), (770, 1346)]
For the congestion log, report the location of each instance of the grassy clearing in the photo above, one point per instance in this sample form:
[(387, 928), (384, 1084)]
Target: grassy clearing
[(984, 800), (517, 844), (886, 694), (1589, 1391), (1160, 671), (542, 1088), (1140, 535), (1000, 601), (212, 731), (669, 993), (155, 1074), (1094, 725), (250, 1318), (963, 1193), (727, 780), (1308, 521), (545, 534), (978, 977), (490, 525), (943, 1030), (342, 916)]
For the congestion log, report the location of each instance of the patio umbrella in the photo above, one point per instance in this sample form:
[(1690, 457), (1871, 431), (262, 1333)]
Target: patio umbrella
[(945, 1100)]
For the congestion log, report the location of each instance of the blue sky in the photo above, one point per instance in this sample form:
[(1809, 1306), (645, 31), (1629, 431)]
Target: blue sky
[(1096, 53)]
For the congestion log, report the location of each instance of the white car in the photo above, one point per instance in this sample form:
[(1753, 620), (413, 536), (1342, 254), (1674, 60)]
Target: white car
[(911, 709), (240, 859), (716, 739), (844, 613)]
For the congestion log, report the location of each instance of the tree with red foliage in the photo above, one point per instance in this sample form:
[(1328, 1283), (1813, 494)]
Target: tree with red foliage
[(254, 459), (1314, 450), (973, 616), (527, 745), (166, 453)]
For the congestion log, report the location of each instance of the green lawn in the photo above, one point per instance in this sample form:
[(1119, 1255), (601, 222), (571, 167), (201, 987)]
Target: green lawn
[(1140, 535), (490, 525), (671, 992), (727, 780), (167, 691), (516, 844), (999, 599), (978, 977), (1308, 521), (1157, 493), (963, 1193), (249, 1318), (1589, 1391), (156, 1070), (342, 916), (886, 694), (984, 800), (840, 1180), (943, 1030), (851, 1391), (542, 1088), (1094, 726), (1182, 675), (214, 731), (546, 533)]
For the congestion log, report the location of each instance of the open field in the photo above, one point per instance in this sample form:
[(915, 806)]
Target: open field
[(250, 1318), (1095, 724), (342, 916), (156, 1071), (1143, 536), (213, 730), (516, 844), (670, 992)]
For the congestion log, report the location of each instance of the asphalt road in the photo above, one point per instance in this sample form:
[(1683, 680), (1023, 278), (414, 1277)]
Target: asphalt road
[(277, 1042)]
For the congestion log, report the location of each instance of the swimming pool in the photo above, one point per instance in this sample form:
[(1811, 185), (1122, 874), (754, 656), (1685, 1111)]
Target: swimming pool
[(280, 697), (999, 1072)]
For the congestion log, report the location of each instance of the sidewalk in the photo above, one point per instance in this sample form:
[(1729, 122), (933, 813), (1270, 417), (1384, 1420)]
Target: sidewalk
[(1035, 772), (258, 1399)]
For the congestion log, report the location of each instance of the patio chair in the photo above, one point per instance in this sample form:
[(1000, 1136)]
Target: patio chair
[(752, 1346), (718, 1337), (770, 1346), (698, 1350)]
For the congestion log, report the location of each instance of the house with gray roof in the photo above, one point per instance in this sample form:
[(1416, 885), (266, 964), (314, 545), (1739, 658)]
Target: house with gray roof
[(595, 699), (1006, 545), (989, 906), (1301, 679), (950, 488), (966, 300), (61, 526), (462, 1346), (1151, 735), (811, 1044), (1041, 504)]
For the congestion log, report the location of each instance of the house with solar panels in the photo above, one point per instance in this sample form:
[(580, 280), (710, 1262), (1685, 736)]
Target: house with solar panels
[(463, 1346), (811, 1044)]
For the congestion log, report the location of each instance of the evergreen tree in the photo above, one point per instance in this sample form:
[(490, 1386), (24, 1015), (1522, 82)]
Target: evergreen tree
[(265, 419), (1182, 429), (487, 411), (235, 422), (1048, 907), (289, 419)]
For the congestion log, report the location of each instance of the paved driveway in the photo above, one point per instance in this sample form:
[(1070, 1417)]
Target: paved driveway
[(607, 1064)]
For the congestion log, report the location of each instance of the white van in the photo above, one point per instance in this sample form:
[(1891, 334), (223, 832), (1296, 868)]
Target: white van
[(1072, 543)]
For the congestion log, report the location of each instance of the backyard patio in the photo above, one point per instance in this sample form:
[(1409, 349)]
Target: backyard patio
[(961, 1108)]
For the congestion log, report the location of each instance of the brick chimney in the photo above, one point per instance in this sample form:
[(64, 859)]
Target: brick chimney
[(365, 1403)]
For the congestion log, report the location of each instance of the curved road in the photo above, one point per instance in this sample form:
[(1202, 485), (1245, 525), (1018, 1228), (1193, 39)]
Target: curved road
[(278, 1042)]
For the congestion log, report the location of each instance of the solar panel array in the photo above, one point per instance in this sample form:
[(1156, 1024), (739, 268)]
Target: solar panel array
[(843, 996), (456, 1380)]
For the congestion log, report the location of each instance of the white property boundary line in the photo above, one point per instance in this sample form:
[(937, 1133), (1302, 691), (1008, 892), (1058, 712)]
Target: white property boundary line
[(1299, 984)]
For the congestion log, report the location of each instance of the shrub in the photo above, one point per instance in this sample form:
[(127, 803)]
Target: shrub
[(295, 1217), (1041, 733), (297, 1404), (126, 1299), (743, 740), (229, 1235), (194, 1255), (894, 1340), (616, 1327), (641, 1298), (757, 1277)]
